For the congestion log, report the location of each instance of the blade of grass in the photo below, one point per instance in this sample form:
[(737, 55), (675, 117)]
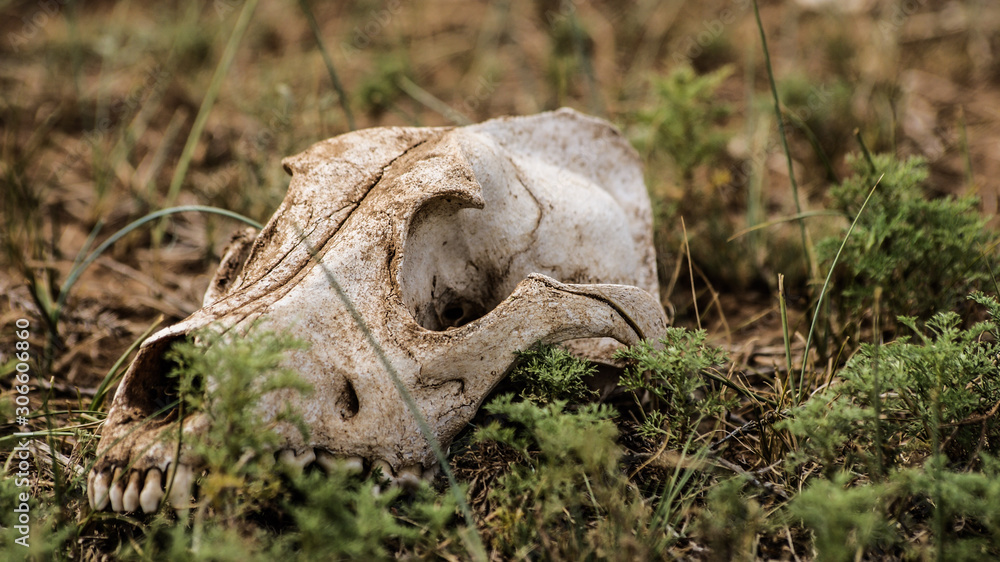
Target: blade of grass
[(228, 54), (864, 151), (876, 397), (684, 471), (970, 178), (311, 19), (822, 292), (806, 247), (831, 175), (694, 293), (430, 101), (784, 329), (75, 273), (795, 217)]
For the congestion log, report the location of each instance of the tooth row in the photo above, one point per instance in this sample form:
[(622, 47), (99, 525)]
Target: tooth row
[(130, 492), (111, 487), (408, 476)]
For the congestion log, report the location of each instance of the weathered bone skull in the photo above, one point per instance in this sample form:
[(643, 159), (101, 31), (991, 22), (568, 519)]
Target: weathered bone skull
[(456, 246)]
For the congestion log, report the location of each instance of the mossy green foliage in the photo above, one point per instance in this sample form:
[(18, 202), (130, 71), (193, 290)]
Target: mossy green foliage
[(672, 377), (845, 521), (943, 383), (547, 373), (683, 122), (896, 440), (925, 253), (730, 521), (380, 91), (566, 499)]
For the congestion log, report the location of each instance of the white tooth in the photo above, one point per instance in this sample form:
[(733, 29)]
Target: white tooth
[(386, 470), (409, 476), (355, 464), (117, 487), (180, 490), (101, 490), (90, 488), (326, 460), (329, 462), (130, 500), (299, 462), (152, 491)]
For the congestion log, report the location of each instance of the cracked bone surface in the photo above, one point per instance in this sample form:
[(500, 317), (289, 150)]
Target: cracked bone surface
[(455, 246)]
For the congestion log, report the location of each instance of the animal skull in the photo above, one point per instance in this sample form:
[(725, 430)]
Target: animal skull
[(456, 246)]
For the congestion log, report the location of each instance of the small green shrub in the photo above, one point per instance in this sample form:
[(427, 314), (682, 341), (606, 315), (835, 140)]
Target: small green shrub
[(845, 521), (567, 499), (970, 508), (548, 373), (907, 440), (337, 516), (222, 377), (945, 383), (570, 57), (730, 521), (379, 90), (683, 121), (674, 378), (924, 253)]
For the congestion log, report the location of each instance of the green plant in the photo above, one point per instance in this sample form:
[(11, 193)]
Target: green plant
[(222, 377), (337, 516), (934, 401), (571, 56), (673, 377), (379, 91), (730, 521), (548, 373), (926, 254), (943, 384), (845, 521), (968, 502), (682, 122), (566, 498)]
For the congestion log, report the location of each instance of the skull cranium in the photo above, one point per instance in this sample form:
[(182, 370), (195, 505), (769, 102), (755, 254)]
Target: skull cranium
[(454, 246)]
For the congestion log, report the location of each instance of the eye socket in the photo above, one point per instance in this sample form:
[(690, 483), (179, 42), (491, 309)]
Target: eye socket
[(452, 315), (456, 314)]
